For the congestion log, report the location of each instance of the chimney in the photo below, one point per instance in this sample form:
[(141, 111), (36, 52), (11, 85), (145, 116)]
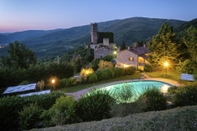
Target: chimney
[(129, 48)]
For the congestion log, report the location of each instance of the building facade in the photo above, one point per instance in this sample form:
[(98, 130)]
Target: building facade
[(136, 57), (102, 42)]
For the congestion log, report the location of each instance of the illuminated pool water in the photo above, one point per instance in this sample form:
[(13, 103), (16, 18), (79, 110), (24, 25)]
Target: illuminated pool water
[(130, 91)]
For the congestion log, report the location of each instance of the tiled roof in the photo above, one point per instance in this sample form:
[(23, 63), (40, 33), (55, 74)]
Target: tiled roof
[(139, 50)]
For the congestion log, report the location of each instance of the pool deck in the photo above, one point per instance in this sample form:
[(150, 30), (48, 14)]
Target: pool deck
[(80, 93)]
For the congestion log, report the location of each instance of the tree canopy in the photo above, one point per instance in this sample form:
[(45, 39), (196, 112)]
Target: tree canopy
[(123, 46), (190, 41), (19, 56), (164, 46)]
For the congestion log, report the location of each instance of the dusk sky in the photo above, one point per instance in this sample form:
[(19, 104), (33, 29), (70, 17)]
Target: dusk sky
[(20, 15)]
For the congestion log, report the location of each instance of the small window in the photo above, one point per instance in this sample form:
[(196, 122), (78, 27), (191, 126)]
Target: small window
[(131, 59)]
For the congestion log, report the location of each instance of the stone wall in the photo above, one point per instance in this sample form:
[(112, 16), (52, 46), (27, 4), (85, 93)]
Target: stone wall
[(123, 58)]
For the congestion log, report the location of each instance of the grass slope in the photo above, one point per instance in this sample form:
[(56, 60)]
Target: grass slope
[(162, 74), (177, 119)]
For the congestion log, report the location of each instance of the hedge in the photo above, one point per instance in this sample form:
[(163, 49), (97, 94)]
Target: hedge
[(10, 106), (14, 76)]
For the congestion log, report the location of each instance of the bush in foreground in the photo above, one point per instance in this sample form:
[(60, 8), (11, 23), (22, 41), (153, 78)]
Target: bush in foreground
[(185, 96), (11, 105), (94, 106), (152, 100), (29, 117), (62, 112), (177, 119)]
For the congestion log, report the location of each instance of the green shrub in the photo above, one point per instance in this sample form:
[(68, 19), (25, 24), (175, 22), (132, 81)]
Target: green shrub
[(72, 81), (68, 82), (108, 58), (119, 71), (95, 63), (37, 73), (9, 108), (11, 76), (99, 74), (105, 74), (185, 96), (123, 94), (95, 105), (92, 78), (112, 72), (61, 70), (63, 83), (46, 118), (11, 105), (40, 85), (41, 99), (62, 112), (130, 70), (148, 68), (172, 90), (30, 116), (105, 65), (152, 100), (24, 82)]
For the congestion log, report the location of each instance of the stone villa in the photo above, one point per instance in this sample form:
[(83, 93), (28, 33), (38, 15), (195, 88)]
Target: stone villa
[(102, 42), (136, 57)]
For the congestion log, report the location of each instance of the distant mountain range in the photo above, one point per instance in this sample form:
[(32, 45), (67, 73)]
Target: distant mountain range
[(51, 43)]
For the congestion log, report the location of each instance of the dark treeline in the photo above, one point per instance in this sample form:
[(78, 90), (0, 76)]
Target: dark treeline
[(15, 76)]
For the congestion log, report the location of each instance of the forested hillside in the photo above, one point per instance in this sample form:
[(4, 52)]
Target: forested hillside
[(48, 44)]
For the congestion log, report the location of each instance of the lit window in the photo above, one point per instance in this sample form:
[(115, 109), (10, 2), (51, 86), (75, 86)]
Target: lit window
[(131, 58)]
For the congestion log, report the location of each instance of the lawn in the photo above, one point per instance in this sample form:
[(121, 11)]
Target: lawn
[(84, 86), (168, 75)]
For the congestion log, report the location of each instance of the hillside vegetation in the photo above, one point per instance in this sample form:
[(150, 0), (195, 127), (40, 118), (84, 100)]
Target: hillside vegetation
[(57, 42), (177, 119)]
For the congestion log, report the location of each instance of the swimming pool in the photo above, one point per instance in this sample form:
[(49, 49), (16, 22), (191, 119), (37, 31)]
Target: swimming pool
[(129, 91)]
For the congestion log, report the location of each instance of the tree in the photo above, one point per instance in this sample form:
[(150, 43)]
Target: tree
[(164, 46), (190, 40), (95, 63), (89, 55), (85, 72), (78, 64), (123, 46), (105, 64), (19, 56)]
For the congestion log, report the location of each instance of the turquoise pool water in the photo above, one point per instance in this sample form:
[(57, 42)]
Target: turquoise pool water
[(130, 91)]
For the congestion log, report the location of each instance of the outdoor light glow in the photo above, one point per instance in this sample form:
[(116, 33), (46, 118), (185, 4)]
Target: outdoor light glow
[(115, 52), (53, 81), (166, 64), (164, 88), (87, 72), (125, 65)]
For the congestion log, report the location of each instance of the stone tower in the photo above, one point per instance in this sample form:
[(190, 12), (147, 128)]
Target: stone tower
[(94, 33)]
